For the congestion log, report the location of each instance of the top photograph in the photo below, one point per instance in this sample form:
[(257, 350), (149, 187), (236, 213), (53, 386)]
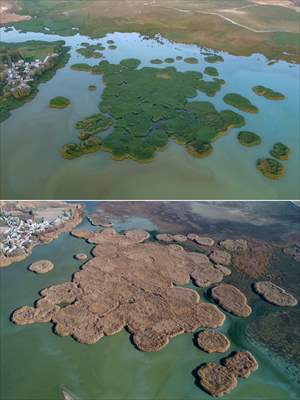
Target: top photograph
[(150, 99)]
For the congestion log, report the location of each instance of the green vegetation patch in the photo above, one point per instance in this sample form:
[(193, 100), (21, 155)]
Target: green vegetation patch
[(149, 106), (90, 51), (179, 58), (156, 61), (59, 102), (191, 60), (169, 60), (81, 67), (75, 150), (214, 58), (268, 93), (112, 47), (28, 51), (110, 41), (240, 102), (249, 139), (270, 168), (211, 71), (92, 88), (280, 151), (92, 125)]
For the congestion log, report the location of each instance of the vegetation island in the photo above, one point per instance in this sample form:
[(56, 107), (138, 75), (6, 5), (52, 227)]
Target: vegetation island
[(240, 102), (249, 139), (270, 168), (59, 102), (191, 60), (268, 93), (23, 66), (156, 61), (214, 58), (92, 88), (212, 71), (81, 67), (157, 109), (280, 151), (90, 50)]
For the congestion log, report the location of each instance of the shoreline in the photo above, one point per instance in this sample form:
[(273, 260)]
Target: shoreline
[(48, 237)]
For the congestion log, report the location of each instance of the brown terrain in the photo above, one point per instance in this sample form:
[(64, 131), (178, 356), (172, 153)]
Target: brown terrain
[(275, 294), (41, 266), (218, 380), (231, 299), (129, 283), (8, 12), (212, 341)]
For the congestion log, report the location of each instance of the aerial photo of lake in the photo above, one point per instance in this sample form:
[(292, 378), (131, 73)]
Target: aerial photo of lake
[(32, 165)]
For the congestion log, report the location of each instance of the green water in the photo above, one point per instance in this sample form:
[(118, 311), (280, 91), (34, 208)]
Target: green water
[(35, 362), (31, 165)]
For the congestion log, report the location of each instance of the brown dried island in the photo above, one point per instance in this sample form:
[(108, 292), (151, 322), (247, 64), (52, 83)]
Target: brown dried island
[(41, 266), (212, 341), (99, 220), (234, 245), (129, 283), (216, 379), (275, 294), (240, 363), (231, 299), (166, 237), (203, 241), (80, 256), (220, 257)]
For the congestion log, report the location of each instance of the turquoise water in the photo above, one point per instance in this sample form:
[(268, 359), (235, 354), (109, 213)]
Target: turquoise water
[(33, 135), (35, 362)]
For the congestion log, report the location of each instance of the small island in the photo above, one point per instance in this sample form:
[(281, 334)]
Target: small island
[(199, 149), (90, 50), (240, 102), (249, 139), (270, 168), (81, 67), (268, 93), (179, 58), (214, 58), (169, 60), (92, 88), (280, 151), (74, 150), (191, 60), (156, 61), (112, 47), (59, 102), (211, 71)]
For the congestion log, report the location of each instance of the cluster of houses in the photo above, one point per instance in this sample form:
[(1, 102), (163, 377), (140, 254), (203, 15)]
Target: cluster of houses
[(19, 74), (22, 233)]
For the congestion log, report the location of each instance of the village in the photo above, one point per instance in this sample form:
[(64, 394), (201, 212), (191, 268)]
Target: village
[(17, 234), (19, 74)]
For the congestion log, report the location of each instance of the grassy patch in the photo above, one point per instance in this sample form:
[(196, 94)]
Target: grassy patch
[(249, 139), (75, 150), (191, 60), (81, 67), (280, 151), (214, 58), (92, 88), (270, 168), (156, 61), (149, 106), (240, 102), (268, 93), (59, 102), (211, 71)]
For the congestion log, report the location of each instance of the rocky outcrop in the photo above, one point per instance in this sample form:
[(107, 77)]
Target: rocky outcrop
[(166, 237), (81, 256), (212, 341), (216, 379), (241, 363), (231, 299), (30, 315), (234, 245), (129, 283), (275, 294), (220, 257), (203, 241), (225, 271), (41, 266)]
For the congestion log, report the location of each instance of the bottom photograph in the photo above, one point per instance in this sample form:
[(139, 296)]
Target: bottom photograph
[(149, 300)]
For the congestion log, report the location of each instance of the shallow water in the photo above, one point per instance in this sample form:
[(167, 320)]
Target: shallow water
[(35, 362), (31, 165)]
